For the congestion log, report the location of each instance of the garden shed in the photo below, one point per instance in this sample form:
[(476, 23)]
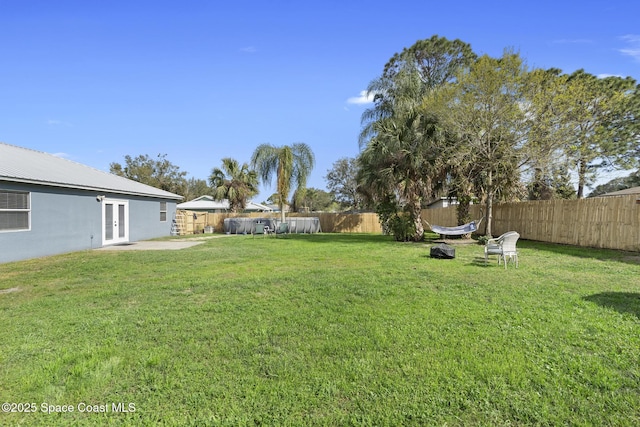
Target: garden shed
[(50, 205)]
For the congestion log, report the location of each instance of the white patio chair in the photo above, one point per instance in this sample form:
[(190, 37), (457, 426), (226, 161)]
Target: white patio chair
[(503, 246)]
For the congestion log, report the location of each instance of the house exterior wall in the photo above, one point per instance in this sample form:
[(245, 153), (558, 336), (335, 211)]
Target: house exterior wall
[(144, 218), (442, 203), (66, 220)]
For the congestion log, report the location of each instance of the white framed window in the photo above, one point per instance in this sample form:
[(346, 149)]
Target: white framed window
[(163, 211), (15, 210)]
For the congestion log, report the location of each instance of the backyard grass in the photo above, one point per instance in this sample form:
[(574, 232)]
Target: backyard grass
[(321, 329)]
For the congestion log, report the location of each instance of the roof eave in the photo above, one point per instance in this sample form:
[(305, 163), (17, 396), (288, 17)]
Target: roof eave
[(169, 196)]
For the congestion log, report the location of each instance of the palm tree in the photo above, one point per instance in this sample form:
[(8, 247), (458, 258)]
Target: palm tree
[(402, 142), (402, 162), (234, 182), (291, 164)]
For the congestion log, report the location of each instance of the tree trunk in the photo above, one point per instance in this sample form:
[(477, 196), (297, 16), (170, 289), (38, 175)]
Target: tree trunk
[(582, 171), (463, 209), (282, 215), (490, 192), (416, 210)]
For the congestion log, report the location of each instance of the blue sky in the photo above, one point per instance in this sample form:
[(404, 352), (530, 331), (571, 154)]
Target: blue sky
[(94, 81)]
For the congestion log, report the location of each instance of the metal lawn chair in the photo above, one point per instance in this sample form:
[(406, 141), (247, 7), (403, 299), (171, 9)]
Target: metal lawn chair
[(260, 228), (282, 229)]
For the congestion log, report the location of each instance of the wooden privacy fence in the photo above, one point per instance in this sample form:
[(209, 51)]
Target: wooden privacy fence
[(196, 222), (600, 222), (348, 223)]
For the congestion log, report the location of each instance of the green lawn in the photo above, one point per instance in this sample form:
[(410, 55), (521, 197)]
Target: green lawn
[(322, 330)]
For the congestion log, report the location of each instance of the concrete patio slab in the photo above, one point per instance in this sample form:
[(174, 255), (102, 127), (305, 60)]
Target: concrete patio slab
[(161, 245), (151, 246)]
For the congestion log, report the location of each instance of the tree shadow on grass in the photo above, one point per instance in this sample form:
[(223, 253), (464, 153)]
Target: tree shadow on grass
[(622, 302), (343, 238), (584, 252)]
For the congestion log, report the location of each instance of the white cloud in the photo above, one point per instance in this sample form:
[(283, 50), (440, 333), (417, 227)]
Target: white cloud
[(631, 38), (53, 122), (603, 76), (363, 99), (634, 42), (249, 49)]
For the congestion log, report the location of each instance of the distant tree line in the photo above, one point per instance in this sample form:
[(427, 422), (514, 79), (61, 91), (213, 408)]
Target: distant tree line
[(447, 122), (238, 183), (235, 182), (617, 184)]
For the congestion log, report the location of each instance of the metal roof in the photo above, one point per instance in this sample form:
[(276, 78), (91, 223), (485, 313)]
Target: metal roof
[(204, 203), (24, 165), (255, 206), (626, 191), (209, 203)]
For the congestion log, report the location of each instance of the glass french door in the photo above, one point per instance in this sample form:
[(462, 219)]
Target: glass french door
[(115, 221)]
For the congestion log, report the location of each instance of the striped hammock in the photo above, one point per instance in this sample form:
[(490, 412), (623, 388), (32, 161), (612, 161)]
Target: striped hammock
[(455, 231)]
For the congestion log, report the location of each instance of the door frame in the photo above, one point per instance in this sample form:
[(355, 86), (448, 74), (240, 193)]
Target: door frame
[(120, 232)]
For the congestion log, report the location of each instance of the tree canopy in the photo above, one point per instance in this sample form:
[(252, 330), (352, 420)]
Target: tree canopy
[(234, 182), (159, 172), (314, 200), (343, 183), (601, 116), (402, 162), (485, 111), (197, 187), (617, 184), (447, 121)]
